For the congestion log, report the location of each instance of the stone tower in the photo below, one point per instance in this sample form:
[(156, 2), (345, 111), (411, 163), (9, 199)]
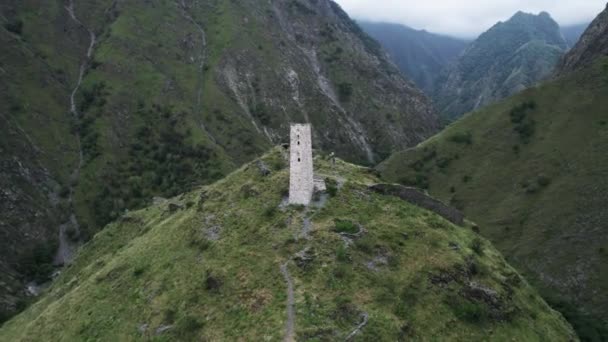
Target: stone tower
[(300, 165)]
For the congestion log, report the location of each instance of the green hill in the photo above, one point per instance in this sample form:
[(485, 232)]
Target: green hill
[(532, 172), (107, 104), (225, 261)]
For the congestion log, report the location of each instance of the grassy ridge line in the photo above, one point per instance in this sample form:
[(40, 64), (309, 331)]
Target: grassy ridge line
[(206, 265)]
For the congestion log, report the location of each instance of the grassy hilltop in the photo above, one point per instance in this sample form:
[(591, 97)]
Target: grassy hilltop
[(208, 265)]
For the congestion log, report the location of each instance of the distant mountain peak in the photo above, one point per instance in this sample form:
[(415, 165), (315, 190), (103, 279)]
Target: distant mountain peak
[(507, 58)]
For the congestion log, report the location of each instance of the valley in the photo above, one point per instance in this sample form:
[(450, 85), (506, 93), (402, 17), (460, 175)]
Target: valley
[(459, 183)]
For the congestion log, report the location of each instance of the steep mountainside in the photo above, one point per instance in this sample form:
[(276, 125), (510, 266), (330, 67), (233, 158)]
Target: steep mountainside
[(419, 54), (229, 261), (532, 171), (508, 58), (105, 104), (592, 44), (573, 33)]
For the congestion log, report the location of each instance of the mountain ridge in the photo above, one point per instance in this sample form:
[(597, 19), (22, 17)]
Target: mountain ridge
[(504, 60)]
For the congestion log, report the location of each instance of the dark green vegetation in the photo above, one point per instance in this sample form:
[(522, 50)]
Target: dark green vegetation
[(506, 59), (174, 94), (206, 266), (419, 54), (534, 178)]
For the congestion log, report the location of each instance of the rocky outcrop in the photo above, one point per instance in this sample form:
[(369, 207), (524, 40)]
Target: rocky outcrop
[(592, 45)]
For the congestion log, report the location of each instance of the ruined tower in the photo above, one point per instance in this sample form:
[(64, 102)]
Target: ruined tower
[(300, 165)]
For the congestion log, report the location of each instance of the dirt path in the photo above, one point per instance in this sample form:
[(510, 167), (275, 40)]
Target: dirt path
[(364, 319), (291, 315)]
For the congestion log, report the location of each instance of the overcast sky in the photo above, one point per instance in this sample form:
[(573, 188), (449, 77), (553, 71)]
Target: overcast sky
[(467, 18)]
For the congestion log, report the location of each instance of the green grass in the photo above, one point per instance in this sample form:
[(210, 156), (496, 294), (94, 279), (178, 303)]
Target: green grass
[(535, 181), (156, 267)]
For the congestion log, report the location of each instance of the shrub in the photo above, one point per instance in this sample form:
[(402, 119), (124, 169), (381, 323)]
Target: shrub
[(523, 125), (477, 246), (345, 226), (342, 254), (138, 271), (468, 311), (345, 91), (36, 263), (332, 186), (212, 283), (462, 138), (15, 26), (270, 211), (543, 181)]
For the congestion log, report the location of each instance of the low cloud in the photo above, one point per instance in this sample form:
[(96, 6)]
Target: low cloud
[(467, 18)]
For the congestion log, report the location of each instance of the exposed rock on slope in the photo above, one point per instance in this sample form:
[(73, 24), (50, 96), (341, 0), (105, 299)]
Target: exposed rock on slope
[(591, 45), (179, 93), (407, 274), (508, 58)]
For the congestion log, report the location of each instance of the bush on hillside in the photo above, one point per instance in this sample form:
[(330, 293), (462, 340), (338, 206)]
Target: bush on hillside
[(15, 26), (36, 263), (345, 226), (523, 124), (462, 138), (345, 90), (331, 186)]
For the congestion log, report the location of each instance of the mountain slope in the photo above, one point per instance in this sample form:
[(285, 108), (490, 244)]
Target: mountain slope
[(106, 104), (531, 170), (593, 43), (573, 33), (228, 261), (420, 55), (506, 59)]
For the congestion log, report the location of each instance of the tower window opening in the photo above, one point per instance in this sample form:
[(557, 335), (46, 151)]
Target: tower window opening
[(298, 159)]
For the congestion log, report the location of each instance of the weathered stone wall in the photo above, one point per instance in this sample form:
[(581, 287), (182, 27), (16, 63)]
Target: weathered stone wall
[(300, 165), (419, 198)]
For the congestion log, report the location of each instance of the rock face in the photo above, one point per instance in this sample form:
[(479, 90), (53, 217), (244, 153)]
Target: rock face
[(178, 93), (508, 58), (419, 54), (592, 44)]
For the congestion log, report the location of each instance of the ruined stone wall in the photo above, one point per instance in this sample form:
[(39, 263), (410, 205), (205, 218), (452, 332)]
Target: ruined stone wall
[(300, 165)]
